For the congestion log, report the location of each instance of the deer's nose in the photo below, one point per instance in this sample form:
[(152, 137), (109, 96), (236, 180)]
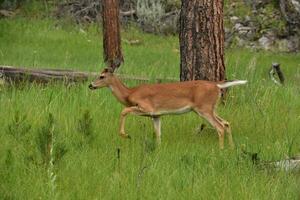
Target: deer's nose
[(91, 87)]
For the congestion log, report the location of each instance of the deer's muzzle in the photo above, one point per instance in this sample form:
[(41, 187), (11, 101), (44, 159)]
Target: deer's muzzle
[(92, 87)]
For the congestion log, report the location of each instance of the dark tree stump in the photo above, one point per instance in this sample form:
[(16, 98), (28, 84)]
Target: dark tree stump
[(275, 69)]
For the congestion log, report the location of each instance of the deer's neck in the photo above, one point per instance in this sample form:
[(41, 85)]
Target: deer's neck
[(120, 91)]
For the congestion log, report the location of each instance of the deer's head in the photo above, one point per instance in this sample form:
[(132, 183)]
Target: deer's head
[(103, 80)]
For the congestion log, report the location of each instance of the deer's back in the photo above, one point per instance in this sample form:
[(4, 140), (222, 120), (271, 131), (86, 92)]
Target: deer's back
[(173, 95)]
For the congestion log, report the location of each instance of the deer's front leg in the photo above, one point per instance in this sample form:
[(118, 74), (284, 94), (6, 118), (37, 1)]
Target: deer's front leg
[(157, 127), (126, 111)]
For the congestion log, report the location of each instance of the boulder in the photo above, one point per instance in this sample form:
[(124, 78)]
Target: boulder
[(234, 19), (266, 42), (283, 45), (290, 44), (245, 32), (237, 26), (241, 42)]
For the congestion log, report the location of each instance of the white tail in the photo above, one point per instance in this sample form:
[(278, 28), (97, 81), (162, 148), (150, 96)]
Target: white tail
[(231, 83)]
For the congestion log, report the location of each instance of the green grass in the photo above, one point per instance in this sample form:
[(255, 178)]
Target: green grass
[(187, 165)]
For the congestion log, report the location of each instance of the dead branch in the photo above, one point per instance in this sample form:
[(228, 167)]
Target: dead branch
[(127, 13)]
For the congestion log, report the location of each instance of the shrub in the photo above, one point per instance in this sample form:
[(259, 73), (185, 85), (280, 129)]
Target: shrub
[(149, 14)]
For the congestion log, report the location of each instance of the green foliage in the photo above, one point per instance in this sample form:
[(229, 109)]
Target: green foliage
[(10, 4), (85, 124), (171, 5), (44, 139), (9, 159), (150, 12), (239, 9), (35, 9), (48, 146), (19, 126), (85, 129), (60, 149), (272, 20), (187, 165), (266, 17)]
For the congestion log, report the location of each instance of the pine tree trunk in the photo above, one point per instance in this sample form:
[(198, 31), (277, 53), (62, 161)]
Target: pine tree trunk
[(111, 34), (202, 40)]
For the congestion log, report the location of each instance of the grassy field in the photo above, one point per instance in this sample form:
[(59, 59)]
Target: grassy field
[(81, 126)]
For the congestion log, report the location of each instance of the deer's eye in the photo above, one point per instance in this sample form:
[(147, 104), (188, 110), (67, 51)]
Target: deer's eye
[(101, 77)]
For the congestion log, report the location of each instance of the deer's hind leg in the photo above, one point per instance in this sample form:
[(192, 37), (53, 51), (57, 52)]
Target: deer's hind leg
[(228, 130), (212, 119)]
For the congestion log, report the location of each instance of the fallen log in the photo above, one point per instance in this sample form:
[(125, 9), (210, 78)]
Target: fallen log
[(7, 13), (16, 75), (289, 164)]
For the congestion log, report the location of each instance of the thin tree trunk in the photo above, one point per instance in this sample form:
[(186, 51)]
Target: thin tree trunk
[(202, 40), (111, 34)]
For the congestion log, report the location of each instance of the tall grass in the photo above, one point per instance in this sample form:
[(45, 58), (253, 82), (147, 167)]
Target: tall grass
[(91, 161)]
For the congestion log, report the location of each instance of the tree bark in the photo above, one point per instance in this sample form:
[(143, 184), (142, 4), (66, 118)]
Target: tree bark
[(201, 40), (111, 34)]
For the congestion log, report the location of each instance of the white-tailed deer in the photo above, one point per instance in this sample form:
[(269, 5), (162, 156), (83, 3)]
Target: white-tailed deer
[(154, 100)]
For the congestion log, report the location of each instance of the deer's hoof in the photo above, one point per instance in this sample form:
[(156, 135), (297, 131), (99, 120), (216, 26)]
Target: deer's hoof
[(200, 128), (124, 135)]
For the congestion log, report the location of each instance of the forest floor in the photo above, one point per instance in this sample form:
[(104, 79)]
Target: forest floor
[(77, 129)]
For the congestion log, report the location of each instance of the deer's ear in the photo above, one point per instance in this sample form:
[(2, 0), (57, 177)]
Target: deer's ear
[(107, 70), (104, 70)]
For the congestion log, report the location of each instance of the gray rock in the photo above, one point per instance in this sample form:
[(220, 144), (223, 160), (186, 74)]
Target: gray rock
[(234, 19), (266, 43), (227, 30), (290, 44), (241, 42), (247, 18), (238, 26), (283, 45), (271, 35), (294, 43), (245, 32)]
